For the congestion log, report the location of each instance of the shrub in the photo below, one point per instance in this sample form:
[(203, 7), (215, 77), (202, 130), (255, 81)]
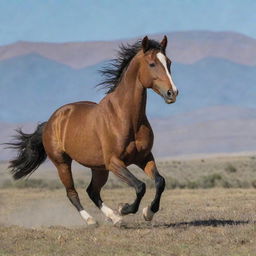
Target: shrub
[(210, 181), (230, 168), (226, 184), (172, 183), (254, 183), (192, 184)]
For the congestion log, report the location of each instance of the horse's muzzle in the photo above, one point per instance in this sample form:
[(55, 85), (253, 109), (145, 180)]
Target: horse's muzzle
[(170, 96)]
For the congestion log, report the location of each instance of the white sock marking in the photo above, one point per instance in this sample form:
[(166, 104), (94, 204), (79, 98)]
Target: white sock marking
[(110, 213), (85, 215), (162, 59)]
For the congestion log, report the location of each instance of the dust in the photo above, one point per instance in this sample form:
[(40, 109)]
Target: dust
[(41, 209), (43, 213)]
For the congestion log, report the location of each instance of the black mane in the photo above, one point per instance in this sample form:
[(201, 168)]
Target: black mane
[(113, 71)]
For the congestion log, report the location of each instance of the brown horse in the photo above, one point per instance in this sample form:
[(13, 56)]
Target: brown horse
[(108, 136)]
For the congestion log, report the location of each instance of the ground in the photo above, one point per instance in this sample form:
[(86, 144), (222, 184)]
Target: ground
[(190, 222), (37, 219)]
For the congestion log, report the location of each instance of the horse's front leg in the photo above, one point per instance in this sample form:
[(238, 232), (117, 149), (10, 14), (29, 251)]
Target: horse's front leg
[(119, 169), (149, 167)]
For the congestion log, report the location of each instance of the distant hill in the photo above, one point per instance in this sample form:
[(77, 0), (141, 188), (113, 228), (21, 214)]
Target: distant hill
[(216, 129), (210, 130), (32, 87), (214, 81), (185, 47)]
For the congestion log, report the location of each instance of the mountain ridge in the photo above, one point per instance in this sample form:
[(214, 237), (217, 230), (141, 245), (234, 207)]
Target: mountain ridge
[(185, 47)]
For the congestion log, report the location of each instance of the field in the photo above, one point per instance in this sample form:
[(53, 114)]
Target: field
[(193, 220)]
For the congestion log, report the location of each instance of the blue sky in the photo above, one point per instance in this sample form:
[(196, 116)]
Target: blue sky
[(82, 20)]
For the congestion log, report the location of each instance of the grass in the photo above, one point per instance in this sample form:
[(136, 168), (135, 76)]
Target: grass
[(211, 222), (225, 172), (199, 216)]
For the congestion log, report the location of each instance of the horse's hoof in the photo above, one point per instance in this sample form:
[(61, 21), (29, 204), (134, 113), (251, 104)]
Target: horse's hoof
[(116, 219), (91, 222), (121, 207), (119, 223), (147, 214), (108, 220)]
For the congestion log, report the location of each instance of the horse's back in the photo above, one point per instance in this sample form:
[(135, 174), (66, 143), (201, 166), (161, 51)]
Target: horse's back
[(70, 111), (82, 103)]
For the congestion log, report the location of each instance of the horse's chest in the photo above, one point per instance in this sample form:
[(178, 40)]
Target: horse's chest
[(136, 149), (133, 146)]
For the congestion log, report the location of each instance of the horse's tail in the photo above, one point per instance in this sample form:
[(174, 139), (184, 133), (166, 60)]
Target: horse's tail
[(31, 152)]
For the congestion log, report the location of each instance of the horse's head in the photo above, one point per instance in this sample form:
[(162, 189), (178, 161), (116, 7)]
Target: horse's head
[(155, 70)]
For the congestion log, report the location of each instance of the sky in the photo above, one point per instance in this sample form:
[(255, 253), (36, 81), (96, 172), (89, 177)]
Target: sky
[(84, 20)]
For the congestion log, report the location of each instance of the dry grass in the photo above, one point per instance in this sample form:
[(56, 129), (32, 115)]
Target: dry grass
[(190, 222), (195, 222), (205, 172)]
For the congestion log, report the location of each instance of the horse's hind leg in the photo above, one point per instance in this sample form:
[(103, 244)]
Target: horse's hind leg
[(65, 174), (99, 179)]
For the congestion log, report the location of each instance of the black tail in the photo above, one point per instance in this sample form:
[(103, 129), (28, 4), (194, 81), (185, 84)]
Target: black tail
[(31, 152)]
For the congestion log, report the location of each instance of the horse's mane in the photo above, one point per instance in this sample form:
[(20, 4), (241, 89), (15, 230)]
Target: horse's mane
[(112, 72)]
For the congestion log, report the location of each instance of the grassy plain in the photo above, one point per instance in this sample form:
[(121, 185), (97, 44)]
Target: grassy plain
[(216, 221), (227, 171)]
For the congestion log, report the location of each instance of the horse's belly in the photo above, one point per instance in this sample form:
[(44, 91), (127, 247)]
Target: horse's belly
[(84, 147), (87, 154)]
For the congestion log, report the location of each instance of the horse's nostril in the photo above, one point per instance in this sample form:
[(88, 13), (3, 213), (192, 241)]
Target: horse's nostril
[(177, 92), (169, 93)]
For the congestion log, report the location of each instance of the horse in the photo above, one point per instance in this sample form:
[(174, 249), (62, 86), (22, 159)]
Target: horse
[(108, 136)]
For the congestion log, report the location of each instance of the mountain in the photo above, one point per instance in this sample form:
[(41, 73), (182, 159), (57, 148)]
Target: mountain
[(75, 54), (33, 87), (214, 81), (192, 46), (216, 129), (210, 130), (184, 47)]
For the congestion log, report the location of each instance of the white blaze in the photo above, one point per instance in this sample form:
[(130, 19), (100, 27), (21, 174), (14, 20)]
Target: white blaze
[(162, 59)]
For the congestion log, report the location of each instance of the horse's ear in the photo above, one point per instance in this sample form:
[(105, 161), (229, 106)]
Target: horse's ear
[(164, 43), (144, 44)]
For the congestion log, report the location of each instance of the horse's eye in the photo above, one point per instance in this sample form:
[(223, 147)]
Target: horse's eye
[(152, 65)]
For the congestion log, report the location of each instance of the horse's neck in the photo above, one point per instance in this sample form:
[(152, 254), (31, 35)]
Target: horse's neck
[(131, 97)]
